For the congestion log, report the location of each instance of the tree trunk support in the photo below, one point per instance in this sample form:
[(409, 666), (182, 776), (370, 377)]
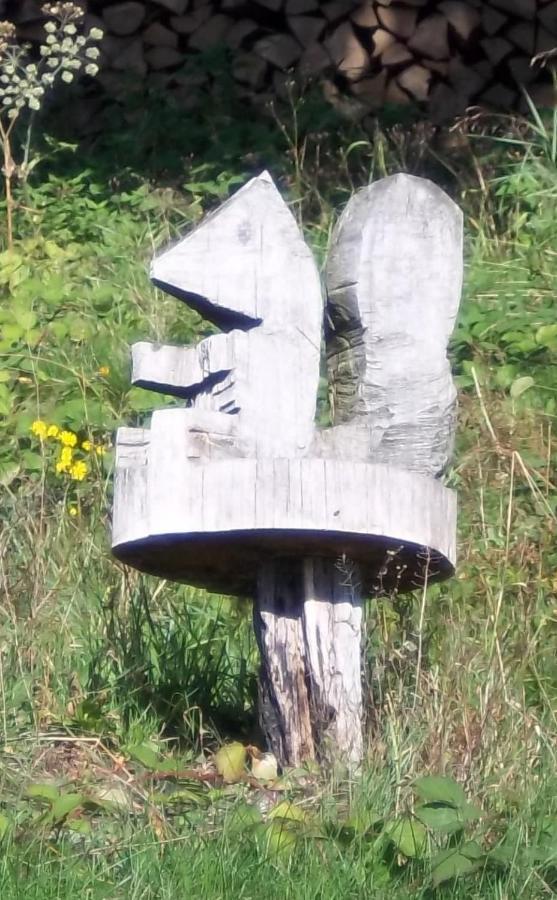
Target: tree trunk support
[(307, 618)]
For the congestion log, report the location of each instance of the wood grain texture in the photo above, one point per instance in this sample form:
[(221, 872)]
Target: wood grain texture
[(394, 278), (247, 269), (332, 624), (240, 493), (307, 618), (279, 631), (198, 498)]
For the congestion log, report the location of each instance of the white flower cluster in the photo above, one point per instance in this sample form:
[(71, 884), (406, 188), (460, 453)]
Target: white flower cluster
[(24, 83), (66, 51)]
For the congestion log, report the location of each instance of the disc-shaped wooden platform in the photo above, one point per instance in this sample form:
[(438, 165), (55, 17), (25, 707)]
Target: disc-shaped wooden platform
[(211, 523)]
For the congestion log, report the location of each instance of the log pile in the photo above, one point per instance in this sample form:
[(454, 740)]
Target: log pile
[(445, 54)]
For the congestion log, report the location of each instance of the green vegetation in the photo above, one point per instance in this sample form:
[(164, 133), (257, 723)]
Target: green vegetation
[(117, 689)]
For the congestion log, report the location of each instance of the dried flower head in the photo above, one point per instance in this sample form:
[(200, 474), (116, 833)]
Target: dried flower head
[(7, 30), (65, 12)]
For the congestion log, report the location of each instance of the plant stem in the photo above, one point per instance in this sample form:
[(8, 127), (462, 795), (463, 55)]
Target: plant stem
[(8, 171)]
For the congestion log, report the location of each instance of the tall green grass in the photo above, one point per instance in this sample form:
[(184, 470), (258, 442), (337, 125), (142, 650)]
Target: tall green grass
[(96, 660)]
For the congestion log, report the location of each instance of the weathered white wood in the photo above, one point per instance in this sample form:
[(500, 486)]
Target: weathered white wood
[(247, 268), (394, 278), (307, 618), (130, 517), (286, 715), (332, 624), (239, 493), (183, 371), (200, 497)]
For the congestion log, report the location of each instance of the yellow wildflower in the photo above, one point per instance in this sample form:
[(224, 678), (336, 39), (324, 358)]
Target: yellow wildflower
[(104, 371), (53, 431), (100, 451), (73, 511), (87, 446), (39, 428), (79, 470), (65, 461), (68, 438)]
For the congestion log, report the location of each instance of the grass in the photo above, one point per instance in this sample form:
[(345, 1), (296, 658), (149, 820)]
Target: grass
[(100, 667)]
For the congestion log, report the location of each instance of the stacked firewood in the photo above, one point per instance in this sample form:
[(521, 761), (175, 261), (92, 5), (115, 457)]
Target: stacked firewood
[(447, 54)]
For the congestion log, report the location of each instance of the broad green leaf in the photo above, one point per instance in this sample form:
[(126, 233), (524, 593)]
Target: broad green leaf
[(470, 812), (192, 795), (444, 819), (279, 839), (287, 810), (43, 792), (145, 755), (521, 385), (230, 761), (546, 335), (440, 789), (11, 332), (456, 861), (140, 400), (243, 818), (65, 805), (26, 318), (408, 835), (447, 819), (81, 826)]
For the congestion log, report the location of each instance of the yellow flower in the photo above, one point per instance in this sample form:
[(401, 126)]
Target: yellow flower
[(65, 461), (87, 446), (79, 470), (68, 438), (39, 428), (73, 511), (104, 371), (100, 451), (53, 431)]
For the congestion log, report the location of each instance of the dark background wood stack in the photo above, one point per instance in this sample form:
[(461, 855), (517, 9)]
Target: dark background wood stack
[(447, 54)]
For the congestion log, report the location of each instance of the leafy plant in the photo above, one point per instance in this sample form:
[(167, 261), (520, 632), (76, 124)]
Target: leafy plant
[(24, 84)]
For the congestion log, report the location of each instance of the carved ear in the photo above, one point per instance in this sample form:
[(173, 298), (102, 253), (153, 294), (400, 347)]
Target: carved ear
[(239, 266)]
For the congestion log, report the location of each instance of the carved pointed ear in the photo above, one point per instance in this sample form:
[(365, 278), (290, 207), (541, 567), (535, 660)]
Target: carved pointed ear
[(239, 267)]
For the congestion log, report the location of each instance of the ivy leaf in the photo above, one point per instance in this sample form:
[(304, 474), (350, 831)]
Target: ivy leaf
[(440, 789), (408, 835), (456, 861)]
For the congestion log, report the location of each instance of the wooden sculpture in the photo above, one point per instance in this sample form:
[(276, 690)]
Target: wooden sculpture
[(239, 492)]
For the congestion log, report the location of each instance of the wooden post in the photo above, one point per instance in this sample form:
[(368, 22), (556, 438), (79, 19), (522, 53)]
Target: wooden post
[(307, 619), (240, 493)]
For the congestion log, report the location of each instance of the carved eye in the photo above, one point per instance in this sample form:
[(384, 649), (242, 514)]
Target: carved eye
[(244, 232)]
